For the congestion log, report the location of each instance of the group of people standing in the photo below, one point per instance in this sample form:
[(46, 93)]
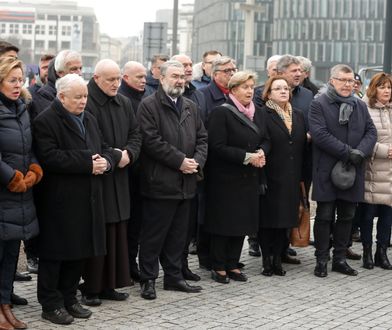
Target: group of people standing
[(105, 173)]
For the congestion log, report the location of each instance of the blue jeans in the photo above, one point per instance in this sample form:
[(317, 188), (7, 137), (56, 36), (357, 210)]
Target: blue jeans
[(9, 251), (368, 212)]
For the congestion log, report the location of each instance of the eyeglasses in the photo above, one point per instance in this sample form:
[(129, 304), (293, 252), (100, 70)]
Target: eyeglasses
[(228, 70), (15, 81), (345, 81), (286, 89)]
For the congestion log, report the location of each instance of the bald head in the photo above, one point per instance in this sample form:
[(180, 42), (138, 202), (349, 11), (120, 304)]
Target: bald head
[(134, 75), (107, 76)]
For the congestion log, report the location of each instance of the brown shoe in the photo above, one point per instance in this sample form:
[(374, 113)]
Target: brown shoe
[(11, 317), (350, 254), (4, 324)]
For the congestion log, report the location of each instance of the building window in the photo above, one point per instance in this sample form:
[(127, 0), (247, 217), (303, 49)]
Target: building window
[(39, 44), (65, 18), (26, 43), (3, 28), (52, 44), (75, 18), (41, 16), (52, 30), (65, 45), (40, 29), (66, 30), (27, 29), (52, 17), (14, 28)]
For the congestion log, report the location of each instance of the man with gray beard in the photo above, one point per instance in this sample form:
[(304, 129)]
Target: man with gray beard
[(174, 150)]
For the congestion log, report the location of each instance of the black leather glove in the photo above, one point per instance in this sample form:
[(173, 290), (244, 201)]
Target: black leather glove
[(356, 156)]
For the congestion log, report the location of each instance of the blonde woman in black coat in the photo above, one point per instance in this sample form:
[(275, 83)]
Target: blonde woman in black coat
[(237, 147)]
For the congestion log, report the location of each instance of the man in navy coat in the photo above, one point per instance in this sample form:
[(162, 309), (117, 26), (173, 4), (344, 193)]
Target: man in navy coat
[(341, 129)]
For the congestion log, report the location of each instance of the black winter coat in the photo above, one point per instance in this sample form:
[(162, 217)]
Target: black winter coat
[(169, 136), (214, 97), (118, 125), (151, 84), (232, 188), (70, 207), (18, 218), (283, 170), (332, 141), (132, 94)]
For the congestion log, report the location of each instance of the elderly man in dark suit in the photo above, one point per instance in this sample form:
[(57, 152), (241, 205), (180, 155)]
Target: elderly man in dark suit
[(341, 129), (174, 150)]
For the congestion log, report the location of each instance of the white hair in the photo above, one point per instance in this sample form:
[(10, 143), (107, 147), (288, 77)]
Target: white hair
[(273, 58), (305, 63), (65, 83), (64, 57)]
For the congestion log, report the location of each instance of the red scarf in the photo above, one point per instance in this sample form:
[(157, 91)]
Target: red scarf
[(223, 89)]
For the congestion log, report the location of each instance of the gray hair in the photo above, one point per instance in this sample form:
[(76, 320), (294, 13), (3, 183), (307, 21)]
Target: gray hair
[(285, 61), (170, 64), (273, 58), (219, 62), (65, 83), (306, 64), (240, 77), (64, 57), (340, 68)]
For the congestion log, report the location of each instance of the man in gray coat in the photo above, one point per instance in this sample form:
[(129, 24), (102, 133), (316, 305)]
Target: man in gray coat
[(174, 150)]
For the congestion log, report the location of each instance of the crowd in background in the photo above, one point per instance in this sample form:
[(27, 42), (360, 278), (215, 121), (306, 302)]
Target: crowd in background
[(105, 181)]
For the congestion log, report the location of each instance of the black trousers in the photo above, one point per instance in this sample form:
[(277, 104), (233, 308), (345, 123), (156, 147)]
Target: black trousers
[(31, 248), (134, 226), (225, 251), (325, 216), (273, 241), (162, 238), (58, 281)]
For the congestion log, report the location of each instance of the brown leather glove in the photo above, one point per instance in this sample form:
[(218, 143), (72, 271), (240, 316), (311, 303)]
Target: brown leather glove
[(17, 183), (30, 179), (37, 171)]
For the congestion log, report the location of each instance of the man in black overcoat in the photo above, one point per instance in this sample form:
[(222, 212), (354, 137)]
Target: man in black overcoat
[(174, 150), (120, 130), (341, 130)]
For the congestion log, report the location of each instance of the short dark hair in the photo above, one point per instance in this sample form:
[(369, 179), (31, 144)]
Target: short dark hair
[(47, 57), (6, 46), (159, 57), (211, 52)]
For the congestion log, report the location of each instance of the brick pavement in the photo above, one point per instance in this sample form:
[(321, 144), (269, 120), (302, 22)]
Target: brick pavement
[(297, 301)]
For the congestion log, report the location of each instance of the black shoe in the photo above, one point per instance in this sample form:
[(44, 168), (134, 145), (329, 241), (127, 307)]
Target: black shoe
[(58, 316), (287, 259), (111, 294), (342, 267), (267, 266), (148, 290), (240, 277), (224, 279), (381, 258), (277, 266), (240, 265), (91, 300), (291, 252), (350, 254), (367, 257), (189, 276), (32, 265), (134, 272), (22, 277), (76, 310), (321, 269), (182, 286), (18, 300)]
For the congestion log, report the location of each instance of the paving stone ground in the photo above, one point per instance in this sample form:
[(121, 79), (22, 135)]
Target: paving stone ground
[(298, 300)]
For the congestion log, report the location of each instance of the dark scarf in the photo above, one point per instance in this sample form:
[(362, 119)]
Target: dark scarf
[(346, 104)]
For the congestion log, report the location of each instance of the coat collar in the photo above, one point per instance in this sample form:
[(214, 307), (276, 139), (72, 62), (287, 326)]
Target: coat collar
[(275, 117), (98, 95)]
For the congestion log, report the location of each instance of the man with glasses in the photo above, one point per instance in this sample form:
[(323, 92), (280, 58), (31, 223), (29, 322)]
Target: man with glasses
[(174, 150), (203, 77), (341, 130)]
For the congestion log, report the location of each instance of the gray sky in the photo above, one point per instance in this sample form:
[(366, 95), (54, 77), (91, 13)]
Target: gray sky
[(123, 18)]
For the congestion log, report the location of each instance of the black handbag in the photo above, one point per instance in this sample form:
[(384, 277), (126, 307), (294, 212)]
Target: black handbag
[(343, 175)]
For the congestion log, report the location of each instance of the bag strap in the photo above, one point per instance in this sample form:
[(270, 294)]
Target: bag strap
[(304, 196), (242, 117)]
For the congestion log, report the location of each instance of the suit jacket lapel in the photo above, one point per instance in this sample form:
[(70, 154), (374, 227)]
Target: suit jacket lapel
[(276, 118)]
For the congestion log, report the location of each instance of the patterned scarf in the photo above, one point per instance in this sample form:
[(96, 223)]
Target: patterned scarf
[(286, 115), (248, 110)]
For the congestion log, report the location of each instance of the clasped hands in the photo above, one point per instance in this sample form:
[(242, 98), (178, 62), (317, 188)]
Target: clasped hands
[(257, 159), (124, 161), (189, 166), (100, 164)]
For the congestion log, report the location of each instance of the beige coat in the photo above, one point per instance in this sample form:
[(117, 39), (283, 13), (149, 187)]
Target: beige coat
[(378, 176)]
